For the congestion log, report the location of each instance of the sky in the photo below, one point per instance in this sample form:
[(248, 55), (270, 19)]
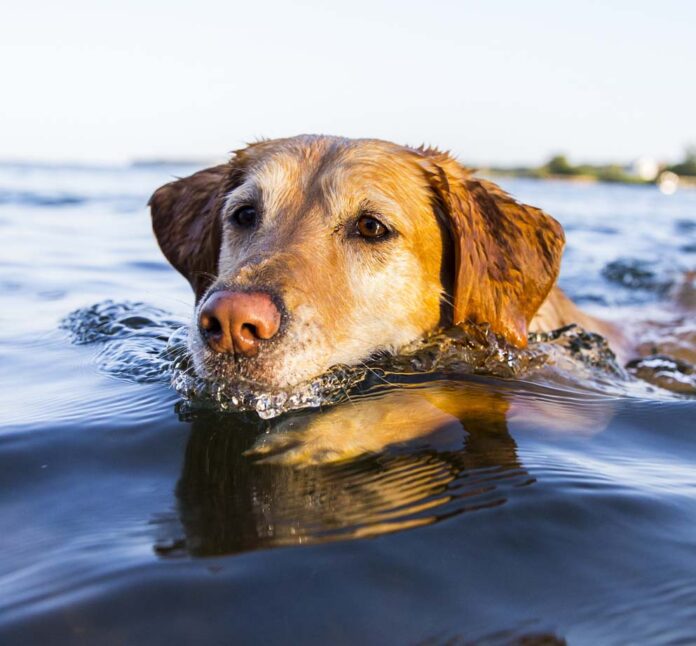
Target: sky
[(500, 82)]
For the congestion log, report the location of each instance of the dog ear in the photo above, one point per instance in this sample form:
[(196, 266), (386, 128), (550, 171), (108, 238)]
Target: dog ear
[(186, 221), (507, 254)]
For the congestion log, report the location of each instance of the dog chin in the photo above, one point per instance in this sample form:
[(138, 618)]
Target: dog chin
[(226, 371), (251, 375)]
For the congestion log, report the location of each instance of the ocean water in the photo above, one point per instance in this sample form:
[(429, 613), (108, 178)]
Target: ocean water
[(540, 511)]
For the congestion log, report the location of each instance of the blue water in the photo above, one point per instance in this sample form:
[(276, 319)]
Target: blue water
[(544, 513)]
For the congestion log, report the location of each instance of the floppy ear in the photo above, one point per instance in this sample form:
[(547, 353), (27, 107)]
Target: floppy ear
[(507, 254), (186, 222)]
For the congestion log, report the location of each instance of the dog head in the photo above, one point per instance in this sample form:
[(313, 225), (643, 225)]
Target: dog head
[(314, 251)]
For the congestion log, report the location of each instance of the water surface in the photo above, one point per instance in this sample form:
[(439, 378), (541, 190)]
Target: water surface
[(534, 510)]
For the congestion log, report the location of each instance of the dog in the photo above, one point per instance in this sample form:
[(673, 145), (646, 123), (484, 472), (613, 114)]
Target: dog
[(312, 251)]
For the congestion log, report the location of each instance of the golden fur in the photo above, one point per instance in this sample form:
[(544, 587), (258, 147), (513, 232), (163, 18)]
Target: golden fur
[(461, 249)]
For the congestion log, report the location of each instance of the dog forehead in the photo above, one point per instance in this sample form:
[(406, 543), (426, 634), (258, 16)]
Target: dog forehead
[(337, 174)]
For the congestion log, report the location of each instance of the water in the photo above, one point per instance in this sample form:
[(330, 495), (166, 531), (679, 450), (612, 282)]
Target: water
[(552, 503)]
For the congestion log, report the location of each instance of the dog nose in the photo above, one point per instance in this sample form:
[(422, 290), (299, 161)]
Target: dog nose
[(238, 321)]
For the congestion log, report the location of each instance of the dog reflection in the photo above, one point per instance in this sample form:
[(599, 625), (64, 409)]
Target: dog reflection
[(406, 458)]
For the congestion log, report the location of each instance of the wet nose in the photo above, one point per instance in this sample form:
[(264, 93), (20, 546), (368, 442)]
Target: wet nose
[(238, 321)]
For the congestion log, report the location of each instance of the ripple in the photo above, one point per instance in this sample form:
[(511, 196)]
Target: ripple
[(26, 198), (143, 343), (638, 274)]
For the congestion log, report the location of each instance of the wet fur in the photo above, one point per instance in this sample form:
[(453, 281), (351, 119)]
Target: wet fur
[(463, 250)]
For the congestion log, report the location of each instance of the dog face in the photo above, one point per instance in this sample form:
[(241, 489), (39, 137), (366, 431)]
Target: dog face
[(309, 252)]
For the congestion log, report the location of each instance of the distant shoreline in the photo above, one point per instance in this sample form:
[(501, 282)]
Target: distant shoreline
[(684, 181), (611, 174), (641, 171)]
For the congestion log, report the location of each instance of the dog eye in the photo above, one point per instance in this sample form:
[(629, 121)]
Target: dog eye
[(371, 227), (244, 217)]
